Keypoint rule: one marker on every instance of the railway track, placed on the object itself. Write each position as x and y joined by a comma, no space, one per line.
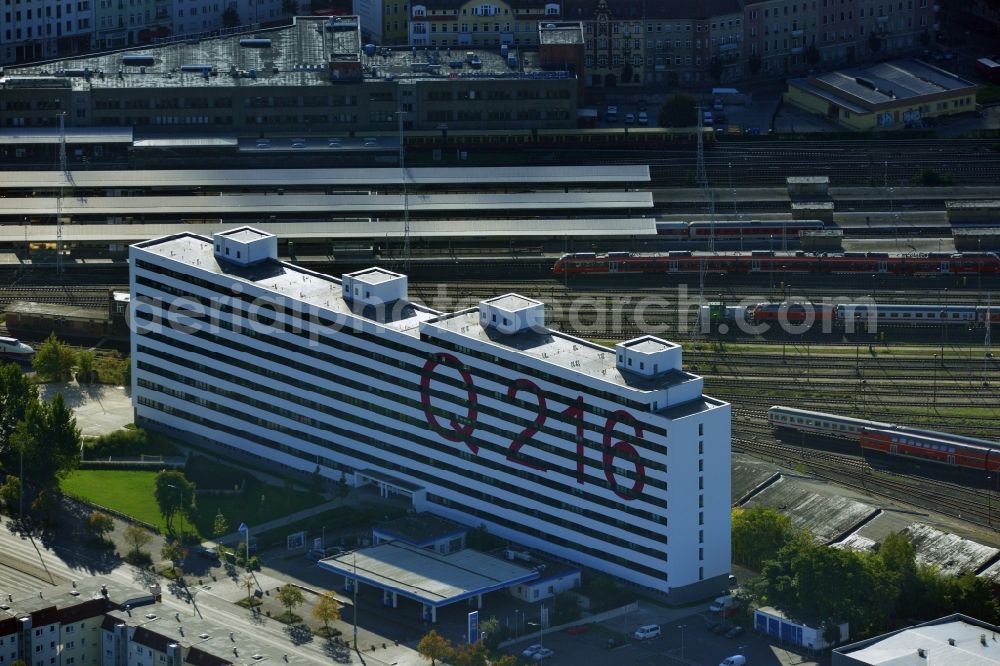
855,471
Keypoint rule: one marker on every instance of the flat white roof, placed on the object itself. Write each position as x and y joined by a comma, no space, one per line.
512,302
374,275
426,576
298,285
900,648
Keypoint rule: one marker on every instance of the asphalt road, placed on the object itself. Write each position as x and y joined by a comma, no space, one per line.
29,564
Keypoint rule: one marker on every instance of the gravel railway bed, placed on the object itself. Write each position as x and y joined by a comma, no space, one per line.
946,497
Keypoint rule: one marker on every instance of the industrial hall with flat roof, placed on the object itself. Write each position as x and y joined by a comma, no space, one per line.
609,458
313,76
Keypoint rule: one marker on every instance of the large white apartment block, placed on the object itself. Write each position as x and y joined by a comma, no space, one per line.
607,457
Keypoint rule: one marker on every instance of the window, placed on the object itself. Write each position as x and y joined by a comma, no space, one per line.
701,429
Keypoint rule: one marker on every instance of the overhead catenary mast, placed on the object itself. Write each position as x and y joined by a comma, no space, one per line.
64,170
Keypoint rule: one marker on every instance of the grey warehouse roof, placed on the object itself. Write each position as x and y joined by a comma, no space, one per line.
864,89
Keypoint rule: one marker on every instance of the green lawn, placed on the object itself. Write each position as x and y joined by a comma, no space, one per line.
131,492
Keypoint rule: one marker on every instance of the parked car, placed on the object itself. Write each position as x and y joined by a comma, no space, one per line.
530,651
735,632
719,629
717,105
706,118
542,654
725,602
629,118
612,114
735,660
643,118
647,631
207,553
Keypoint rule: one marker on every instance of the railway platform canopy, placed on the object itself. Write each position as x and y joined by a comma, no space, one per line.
431,579
261,204
298,178
16,136
344,230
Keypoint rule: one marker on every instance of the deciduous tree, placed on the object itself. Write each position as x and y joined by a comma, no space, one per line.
326,610
136,537
220,527
50,440
16,393
85,366
470,654
290,597
679,111
10,492
173,493
99,524
171,551
758,533
434,646
53,360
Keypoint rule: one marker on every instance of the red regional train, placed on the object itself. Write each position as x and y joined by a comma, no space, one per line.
775,262
892,439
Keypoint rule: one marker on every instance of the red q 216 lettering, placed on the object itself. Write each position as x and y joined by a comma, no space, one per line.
625,450
457,431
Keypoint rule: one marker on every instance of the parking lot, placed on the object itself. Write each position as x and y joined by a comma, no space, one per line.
685,639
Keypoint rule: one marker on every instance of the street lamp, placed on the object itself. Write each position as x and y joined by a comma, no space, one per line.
682,627
935,381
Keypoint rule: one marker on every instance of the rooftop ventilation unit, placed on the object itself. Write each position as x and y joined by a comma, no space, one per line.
137,60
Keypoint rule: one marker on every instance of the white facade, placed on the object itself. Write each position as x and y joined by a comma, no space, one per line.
536,434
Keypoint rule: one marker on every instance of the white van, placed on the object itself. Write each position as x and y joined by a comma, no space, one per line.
724,603
735,660
646,632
